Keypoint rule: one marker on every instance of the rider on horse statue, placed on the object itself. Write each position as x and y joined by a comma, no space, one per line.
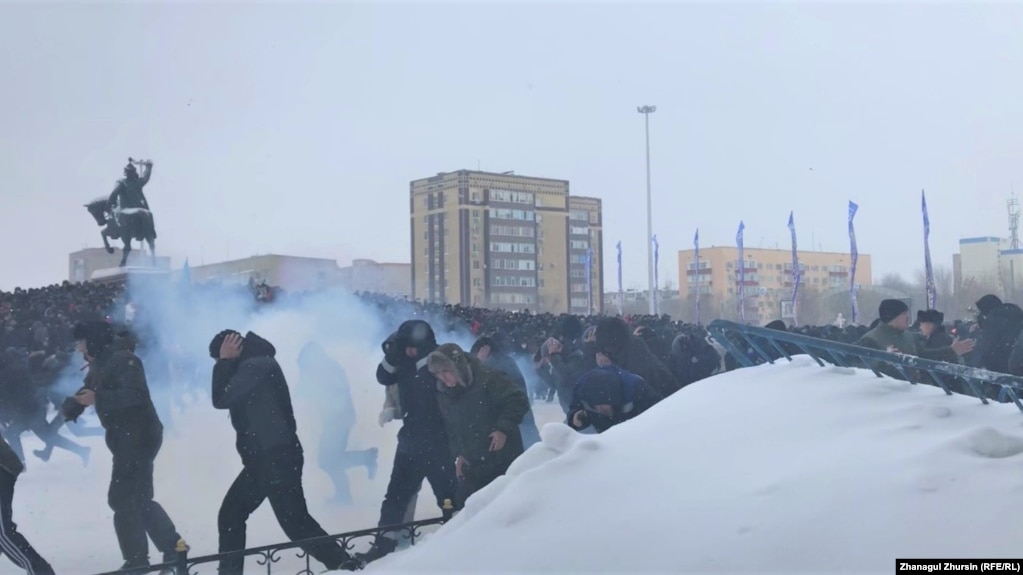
128,194
125,214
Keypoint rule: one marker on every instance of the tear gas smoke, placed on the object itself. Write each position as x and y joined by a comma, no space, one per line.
174,324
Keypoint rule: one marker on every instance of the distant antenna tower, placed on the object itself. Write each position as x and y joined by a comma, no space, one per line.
1013,222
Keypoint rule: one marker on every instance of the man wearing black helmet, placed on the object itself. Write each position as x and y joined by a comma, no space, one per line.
422,443
116,386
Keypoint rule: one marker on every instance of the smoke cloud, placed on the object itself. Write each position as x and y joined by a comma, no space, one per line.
174,324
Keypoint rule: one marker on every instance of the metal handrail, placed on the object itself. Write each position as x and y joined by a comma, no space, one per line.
913,369
269,554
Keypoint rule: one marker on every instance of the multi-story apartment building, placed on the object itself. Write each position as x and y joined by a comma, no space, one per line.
767,279
505,241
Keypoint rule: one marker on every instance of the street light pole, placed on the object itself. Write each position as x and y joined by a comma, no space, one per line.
652,293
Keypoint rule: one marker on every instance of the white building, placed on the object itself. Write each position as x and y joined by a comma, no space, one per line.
989,262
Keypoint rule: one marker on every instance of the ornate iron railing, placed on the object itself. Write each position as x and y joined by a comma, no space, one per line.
751,345
269,555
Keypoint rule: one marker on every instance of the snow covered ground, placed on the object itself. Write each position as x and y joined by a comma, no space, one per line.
789,468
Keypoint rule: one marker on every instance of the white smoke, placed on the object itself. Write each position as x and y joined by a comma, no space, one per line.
175,323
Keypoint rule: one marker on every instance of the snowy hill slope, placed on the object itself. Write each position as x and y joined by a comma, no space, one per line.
790,468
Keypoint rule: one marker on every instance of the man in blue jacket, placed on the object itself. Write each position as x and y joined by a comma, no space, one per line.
607,396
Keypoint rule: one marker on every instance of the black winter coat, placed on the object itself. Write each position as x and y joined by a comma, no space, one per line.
253,389
417,392
999,330
123,403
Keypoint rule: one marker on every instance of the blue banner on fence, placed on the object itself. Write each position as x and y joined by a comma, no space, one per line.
932,292
741,271
796,273
696,246
853,208
621,294
657,302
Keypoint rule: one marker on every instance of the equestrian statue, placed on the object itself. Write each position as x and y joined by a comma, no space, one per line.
125,213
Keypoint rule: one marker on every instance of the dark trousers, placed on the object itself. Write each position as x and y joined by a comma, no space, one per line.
135,512
13,544
413,462
277,477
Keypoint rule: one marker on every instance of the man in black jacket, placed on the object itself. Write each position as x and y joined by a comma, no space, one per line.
248,381
1000,325
423,450
12,543
116,385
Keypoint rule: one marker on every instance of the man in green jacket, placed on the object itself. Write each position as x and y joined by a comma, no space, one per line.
891,335
482,409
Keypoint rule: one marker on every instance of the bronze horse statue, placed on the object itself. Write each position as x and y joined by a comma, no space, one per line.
125,214
135,224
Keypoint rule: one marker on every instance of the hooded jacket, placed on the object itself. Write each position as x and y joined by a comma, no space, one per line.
484,401
630,353
123,403
1000,326
626,393
253,389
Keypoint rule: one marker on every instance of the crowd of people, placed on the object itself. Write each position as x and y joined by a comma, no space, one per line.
466,413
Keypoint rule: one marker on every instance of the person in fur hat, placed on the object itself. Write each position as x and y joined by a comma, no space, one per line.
892,335
933,335
482,409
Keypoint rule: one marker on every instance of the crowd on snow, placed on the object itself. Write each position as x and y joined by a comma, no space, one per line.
466,413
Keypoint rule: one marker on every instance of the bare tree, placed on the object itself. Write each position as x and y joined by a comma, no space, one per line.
897,283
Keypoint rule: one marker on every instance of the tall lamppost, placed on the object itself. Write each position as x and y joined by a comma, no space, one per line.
646,111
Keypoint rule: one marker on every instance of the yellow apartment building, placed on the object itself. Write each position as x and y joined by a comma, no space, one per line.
504,241
768,280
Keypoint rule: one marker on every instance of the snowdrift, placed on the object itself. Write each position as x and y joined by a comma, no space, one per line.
787,468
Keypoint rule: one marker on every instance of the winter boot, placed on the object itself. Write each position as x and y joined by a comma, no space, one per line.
135,567
350,564
382,546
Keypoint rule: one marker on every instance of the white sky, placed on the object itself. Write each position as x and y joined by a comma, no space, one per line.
263,119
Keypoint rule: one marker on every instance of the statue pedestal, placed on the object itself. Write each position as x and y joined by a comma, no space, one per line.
121,275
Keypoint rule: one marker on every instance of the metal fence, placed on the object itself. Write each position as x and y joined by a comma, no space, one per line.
268,556
751,345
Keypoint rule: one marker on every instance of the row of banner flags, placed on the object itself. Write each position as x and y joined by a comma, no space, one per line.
797,271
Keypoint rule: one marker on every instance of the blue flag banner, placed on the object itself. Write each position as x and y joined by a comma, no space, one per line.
932,292
741,271
589,281
621,294
853,208
657,302
696,246
796,272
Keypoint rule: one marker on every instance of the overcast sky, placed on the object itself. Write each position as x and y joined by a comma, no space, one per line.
296,129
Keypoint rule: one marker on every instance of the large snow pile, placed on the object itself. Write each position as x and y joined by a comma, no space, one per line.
788,468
